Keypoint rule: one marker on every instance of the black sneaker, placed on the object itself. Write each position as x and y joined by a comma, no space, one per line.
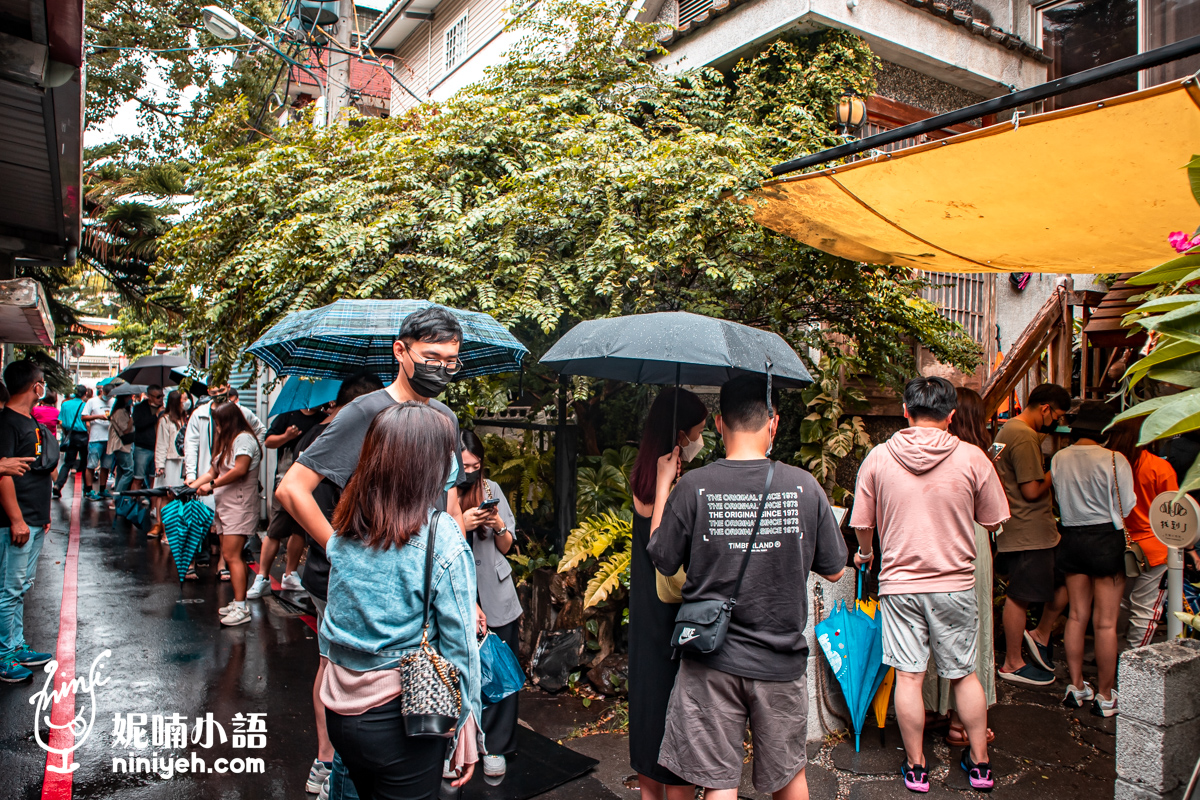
1043,654
1030,675
57,492
979,775
916,777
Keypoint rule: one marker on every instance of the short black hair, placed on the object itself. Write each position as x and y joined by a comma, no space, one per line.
744,403
20,375
433,325
930,398
80,390
154,387
356,386
1051,394
231,394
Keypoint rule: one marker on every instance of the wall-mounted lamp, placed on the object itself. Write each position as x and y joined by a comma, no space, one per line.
851,112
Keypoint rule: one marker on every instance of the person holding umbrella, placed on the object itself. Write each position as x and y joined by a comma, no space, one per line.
758,673
924,490
427,350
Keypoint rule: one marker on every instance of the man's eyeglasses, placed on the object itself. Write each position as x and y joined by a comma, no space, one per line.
452,367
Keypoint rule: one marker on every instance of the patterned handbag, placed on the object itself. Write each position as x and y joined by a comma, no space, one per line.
430,699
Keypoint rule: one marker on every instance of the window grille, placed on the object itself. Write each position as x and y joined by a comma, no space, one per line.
959,298
456,43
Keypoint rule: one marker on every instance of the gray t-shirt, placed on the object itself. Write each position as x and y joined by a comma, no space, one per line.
334,455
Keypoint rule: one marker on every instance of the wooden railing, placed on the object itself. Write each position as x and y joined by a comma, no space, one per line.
1041,354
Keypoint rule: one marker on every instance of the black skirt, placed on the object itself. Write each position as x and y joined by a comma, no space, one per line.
651,666
1095,550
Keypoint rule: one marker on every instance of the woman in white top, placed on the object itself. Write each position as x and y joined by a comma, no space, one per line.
1095,492
233,482
168,461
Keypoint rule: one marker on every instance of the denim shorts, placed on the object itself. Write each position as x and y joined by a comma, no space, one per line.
143,464
98,457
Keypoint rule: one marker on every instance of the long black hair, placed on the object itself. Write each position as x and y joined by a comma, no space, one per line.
658,439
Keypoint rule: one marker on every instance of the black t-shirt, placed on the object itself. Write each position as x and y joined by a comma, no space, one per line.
145,425
315,579
287,453
19,439
706,527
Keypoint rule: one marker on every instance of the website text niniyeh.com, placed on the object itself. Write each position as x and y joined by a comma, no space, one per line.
167,767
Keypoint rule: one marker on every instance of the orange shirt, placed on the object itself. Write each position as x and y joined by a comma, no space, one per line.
1151,476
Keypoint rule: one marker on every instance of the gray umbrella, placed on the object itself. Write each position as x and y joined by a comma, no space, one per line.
675,347
128,389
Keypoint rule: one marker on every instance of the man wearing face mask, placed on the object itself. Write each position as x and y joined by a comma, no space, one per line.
1026,544
427,351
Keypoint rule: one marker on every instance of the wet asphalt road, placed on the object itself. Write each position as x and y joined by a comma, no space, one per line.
169,655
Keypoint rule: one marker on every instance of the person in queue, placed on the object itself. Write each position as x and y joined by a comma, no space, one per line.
315,581
1095,491
95,413
168,459
24,515
652,665
1026,545
490,533
762,665
145,434
1151,477
76,437
120,442
384,522
924,491
232,480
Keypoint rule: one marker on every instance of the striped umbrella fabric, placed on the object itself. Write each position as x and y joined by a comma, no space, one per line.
186,523
336,340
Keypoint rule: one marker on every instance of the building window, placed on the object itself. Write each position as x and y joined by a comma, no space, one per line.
961,298
690,9
1080,34
456,43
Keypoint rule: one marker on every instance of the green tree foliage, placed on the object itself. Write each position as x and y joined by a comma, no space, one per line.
576,180
1171,312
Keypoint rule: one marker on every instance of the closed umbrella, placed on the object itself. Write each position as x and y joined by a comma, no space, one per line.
298,393
186,521
339,339
852,641
155,369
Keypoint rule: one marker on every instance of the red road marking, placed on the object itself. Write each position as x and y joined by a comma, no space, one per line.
307,619
58,785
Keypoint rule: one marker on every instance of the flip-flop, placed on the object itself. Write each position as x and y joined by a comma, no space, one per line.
957,737
223,574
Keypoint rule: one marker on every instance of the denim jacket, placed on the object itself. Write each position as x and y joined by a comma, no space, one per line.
376,600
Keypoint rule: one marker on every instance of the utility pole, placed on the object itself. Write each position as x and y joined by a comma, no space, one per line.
337,90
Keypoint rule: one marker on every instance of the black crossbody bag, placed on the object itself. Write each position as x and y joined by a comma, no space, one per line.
701,627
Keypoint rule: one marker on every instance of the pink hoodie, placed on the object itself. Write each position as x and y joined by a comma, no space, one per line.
924,489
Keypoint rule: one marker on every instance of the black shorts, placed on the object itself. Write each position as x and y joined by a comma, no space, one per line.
282,524
1032,577
1095,550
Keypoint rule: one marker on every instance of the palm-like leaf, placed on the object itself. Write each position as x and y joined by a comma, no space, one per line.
593,537
613,572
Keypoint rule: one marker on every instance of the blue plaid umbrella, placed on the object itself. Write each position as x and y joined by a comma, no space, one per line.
339,339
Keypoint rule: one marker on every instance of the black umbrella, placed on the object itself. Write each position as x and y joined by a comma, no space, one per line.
155,369
675,347
128,389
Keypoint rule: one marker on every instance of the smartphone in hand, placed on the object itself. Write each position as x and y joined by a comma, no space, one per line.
488,505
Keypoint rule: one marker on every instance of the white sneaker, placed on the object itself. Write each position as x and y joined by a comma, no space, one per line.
261,586
239,615
291,582
1078,698
324,793
1105,708
225,609
494,766
317,775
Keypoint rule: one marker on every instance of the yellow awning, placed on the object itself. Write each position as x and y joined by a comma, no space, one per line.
1090,189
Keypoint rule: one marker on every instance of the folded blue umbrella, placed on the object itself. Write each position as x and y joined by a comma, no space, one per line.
298,393
186,523
852,641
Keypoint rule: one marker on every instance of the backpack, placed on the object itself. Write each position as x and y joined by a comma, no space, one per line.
47,452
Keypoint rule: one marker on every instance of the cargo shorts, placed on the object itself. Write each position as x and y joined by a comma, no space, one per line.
706,724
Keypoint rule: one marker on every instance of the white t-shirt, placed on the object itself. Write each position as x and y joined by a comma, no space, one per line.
1083,486
246,445
97,428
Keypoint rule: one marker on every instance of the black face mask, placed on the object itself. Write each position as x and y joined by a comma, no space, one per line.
469,479
428,382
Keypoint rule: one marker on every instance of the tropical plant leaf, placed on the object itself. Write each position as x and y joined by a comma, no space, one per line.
1193,170
1167,272
1160,305
593,537
1154,404
1170,420
612,573
1191,479
1166,351
1179,377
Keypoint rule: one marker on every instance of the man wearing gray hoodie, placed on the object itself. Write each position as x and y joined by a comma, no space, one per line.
924,490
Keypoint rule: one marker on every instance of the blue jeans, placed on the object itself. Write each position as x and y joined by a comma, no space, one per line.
143,465
18,567
122,470
340,785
